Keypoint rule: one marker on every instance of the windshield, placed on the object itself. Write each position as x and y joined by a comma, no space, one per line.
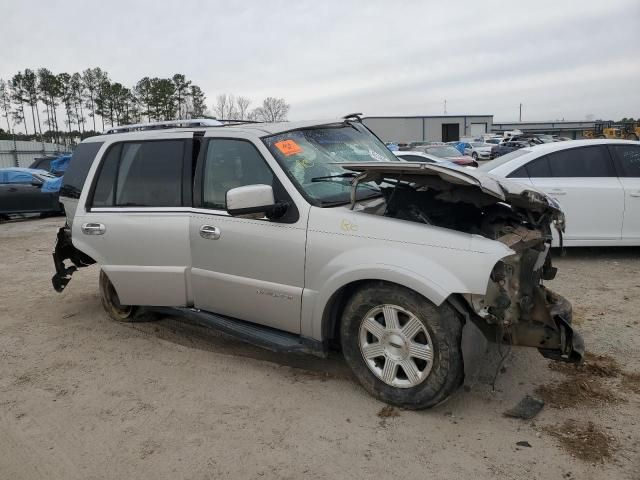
311,158
491,164
444,151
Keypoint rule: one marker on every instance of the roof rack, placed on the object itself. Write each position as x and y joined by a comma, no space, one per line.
190,123
236,122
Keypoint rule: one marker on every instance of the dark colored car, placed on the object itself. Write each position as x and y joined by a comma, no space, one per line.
507,147
26,190
52,164
449,152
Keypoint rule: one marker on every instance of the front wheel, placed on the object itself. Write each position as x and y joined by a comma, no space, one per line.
474,155
403,349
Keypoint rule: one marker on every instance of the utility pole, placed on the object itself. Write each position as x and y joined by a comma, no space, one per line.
520,113
445,107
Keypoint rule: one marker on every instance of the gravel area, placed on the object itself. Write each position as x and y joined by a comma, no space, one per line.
83,397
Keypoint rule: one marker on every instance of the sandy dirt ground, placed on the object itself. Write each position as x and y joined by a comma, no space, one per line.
83,397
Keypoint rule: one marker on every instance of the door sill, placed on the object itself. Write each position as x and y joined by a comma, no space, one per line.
261,336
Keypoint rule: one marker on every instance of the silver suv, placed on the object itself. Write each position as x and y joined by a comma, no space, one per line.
304,237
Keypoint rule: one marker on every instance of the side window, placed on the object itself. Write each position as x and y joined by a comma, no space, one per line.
581,162
519,173
141,174
539,168
79,165
230,164
628,159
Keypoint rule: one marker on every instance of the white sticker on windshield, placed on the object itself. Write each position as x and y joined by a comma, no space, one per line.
376,156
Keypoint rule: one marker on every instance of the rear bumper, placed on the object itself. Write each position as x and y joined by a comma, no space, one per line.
64,250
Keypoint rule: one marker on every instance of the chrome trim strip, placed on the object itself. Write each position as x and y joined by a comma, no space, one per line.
158,210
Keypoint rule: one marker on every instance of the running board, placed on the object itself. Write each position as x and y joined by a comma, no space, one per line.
265,337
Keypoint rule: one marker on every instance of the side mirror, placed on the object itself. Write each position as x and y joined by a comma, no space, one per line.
36,183
253,201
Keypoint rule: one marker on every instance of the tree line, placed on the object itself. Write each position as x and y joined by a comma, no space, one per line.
65,108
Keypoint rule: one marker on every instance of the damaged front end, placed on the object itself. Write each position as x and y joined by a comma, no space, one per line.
517,308
64,250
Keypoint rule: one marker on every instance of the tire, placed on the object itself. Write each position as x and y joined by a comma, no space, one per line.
439,331
632,136
474,155
601,136
111,302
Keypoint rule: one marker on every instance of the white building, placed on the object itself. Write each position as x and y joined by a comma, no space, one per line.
440,128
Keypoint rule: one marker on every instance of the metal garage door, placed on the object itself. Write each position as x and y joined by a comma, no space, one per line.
477,129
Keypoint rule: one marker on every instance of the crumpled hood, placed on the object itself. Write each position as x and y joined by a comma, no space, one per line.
503,189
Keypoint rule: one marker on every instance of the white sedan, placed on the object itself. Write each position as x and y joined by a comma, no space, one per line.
596,182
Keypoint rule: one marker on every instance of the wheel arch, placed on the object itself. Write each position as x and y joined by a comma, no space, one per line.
334,306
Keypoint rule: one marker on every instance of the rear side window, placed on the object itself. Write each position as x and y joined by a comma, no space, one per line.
230,164
581,162
519,173
141,174
76,173
628,159
539,168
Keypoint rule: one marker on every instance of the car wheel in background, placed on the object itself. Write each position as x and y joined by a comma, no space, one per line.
474,155
403,349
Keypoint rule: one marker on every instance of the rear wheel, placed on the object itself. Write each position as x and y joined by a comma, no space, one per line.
632,136
113,307
474,155
403,349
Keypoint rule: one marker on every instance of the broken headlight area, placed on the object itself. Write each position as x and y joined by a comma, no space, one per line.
519,310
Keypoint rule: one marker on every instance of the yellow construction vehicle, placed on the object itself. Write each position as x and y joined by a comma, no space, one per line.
624,131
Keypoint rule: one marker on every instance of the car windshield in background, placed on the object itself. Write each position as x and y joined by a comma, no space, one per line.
490,165
311,157
444,151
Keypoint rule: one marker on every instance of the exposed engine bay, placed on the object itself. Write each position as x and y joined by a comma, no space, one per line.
517,308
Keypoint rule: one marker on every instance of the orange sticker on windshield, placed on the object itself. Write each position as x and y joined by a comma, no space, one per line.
288,147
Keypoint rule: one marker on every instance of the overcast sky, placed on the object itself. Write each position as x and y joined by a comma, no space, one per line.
561,59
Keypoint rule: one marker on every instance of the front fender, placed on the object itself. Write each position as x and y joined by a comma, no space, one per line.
435,275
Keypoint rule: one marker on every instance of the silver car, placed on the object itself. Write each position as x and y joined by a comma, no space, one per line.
307,237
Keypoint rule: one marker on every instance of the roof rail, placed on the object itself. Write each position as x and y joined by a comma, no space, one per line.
236,122
187,123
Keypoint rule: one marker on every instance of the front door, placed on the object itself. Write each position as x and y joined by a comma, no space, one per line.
628,165
584,182
252,268
136,221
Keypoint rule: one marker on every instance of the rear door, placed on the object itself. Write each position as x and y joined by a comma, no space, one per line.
627,159
136,220
585,183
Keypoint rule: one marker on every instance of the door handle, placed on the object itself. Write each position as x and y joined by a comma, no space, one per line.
634,194
93,228
210,232
557,191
